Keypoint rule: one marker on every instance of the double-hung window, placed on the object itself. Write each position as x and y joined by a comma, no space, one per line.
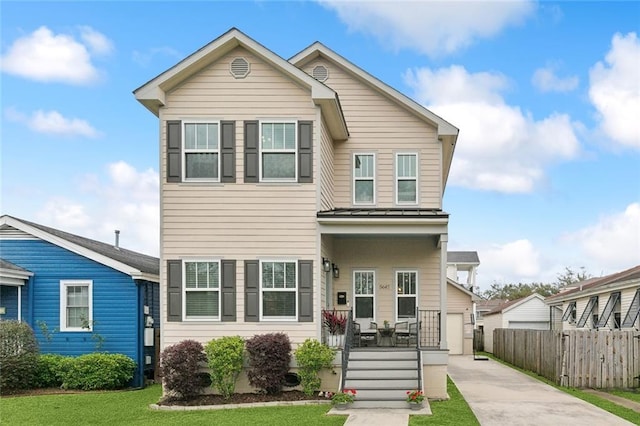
279,290
407,292
201,290
364,294
278,159
201,151
406,178
364,179
76,305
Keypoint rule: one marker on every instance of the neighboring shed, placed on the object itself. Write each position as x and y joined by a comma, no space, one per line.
460,308
528,313
79,295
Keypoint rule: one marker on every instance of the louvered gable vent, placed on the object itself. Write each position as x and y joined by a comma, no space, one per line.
320,73
239,67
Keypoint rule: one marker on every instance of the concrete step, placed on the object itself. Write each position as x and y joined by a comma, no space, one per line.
387,394
383,364
409,373
383,355
378,404
360,384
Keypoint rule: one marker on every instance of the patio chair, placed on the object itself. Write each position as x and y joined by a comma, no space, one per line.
357,335
401,332
370,336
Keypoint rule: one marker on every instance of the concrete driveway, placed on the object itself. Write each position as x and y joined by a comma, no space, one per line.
499,395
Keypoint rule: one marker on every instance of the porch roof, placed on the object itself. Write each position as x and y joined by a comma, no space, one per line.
393,213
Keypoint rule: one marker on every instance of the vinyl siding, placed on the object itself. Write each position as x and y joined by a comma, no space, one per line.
327,184
533,310
241,221
378,124
459,302
115,298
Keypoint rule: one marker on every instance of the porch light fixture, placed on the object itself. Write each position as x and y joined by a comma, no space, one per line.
326,264
336,271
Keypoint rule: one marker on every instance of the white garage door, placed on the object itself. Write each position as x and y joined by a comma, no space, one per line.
455,329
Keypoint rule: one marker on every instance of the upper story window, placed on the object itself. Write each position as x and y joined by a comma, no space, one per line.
364,178
201,151
201,290
279,290
278,151
76,305
406,178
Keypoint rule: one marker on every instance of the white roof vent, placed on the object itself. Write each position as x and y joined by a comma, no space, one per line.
320,73
239,67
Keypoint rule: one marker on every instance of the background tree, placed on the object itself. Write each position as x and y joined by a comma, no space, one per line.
520,290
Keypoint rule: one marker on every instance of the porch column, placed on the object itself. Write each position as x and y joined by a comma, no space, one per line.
443,291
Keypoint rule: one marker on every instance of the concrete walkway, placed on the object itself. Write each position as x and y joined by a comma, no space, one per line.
500,395
380,416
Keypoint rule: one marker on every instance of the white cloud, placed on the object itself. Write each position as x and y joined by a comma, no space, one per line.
433,28
500,147
611,244
47,57
546,80
512,262
52,122
615,90
144,58
127,201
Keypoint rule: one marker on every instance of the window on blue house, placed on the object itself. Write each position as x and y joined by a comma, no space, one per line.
76,305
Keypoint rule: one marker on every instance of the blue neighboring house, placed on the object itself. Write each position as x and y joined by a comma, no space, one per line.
80,295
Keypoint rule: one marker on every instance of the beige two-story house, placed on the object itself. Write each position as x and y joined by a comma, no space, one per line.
291,187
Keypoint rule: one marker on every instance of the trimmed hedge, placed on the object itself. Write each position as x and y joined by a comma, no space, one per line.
225,357
180,368
18,356
51,369
269,358
312,356
99,371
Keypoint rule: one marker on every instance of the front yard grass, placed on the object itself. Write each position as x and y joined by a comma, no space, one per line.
132,408
454,412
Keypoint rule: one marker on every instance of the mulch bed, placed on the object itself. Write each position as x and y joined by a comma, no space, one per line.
242,398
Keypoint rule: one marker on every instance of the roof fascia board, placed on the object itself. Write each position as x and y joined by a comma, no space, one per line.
11,273
460,287
318,49
68,245
604,288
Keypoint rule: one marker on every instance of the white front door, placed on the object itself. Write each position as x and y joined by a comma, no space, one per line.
364,296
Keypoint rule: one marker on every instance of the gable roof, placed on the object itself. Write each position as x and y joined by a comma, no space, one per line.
463,257
512,304
447,132
152,94
474,297
136,264
11,274
597,283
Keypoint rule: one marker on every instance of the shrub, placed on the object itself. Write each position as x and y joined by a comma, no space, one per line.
180,368
51,369
18,356
269,358
312,356
98,371
225,359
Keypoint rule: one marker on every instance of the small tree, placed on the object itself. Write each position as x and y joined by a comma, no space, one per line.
180,368
269,358
225,359
18,356
312,356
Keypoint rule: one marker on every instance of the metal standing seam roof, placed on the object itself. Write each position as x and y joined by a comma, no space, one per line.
383,213
142,262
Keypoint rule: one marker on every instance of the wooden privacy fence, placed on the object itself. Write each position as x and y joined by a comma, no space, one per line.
574,358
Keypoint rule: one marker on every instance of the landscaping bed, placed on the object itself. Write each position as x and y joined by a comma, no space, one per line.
242,398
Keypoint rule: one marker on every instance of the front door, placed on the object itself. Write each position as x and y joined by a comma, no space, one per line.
364,296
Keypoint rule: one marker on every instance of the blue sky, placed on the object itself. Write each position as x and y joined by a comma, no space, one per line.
546,173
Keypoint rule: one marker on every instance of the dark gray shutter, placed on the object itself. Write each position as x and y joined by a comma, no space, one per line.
174,290
251,291
305,290
228,290
305,151
228,151
251,152
174,151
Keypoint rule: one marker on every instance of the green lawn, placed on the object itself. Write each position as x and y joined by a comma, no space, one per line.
631,395
132,408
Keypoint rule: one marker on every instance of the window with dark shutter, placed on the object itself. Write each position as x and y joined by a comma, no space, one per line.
228,151
174,290
305,291
305,151
251,291
228,290
251,152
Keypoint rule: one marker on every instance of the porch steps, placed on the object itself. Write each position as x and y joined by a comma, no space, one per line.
382,378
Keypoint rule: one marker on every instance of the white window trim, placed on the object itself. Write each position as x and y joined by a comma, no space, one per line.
354,179
288,290
416,296
63,304
397,179
355,296
185,318
294,179
186,151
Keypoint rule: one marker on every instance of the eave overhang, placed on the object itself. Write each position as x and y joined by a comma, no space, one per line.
383,221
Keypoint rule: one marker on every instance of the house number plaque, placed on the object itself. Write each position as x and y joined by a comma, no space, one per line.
385,286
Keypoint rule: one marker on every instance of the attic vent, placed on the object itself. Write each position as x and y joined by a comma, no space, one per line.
320,73
239,68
